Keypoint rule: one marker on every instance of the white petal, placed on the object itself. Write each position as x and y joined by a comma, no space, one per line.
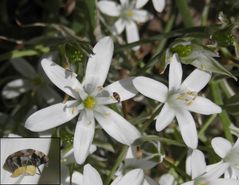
141,16
149,181
204,106
63,79
224,182
119,26
98,64
198,163
15,88
84,134
124,88
187,128
196,81
188,183
215,172
51,116
116,126
188,162
141,3
151,88
164,118
132,33
91,176
159,5
221,146
167,179
109,8
133,177
175,73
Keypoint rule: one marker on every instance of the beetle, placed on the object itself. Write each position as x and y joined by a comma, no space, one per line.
25,162
116,96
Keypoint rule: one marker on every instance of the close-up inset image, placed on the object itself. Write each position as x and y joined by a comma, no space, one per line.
26,160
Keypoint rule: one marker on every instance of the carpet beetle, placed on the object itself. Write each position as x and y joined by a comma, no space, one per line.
116,96
25,162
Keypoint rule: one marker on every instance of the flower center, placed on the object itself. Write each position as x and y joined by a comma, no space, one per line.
129,13
89,102
177,99
187,97
202,183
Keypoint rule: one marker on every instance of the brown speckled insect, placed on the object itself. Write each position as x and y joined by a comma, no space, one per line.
25,162
116,96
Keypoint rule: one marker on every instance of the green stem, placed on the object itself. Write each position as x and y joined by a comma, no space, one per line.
147,122
185,12
168,28
181,172
223,116
119,160
201,133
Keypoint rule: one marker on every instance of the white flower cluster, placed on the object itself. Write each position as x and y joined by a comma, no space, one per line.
89,100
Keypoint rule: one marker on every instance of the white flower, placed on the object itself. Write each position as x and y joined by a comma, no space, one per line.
179,99
15,143
158,4
90,99
128,14
91,177
229,155
199,175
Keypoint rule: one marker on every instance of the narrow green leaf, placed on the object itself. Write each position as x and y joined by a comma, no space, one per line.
232,105
185,12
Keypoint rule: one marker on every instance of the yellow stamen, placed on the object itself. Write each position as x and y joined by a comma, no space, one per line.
73,110
89,102
187,97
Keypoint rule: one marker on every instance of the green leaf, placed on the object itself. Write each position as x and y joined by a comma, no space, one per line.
232,105
104,145
37,50
23,67
91,5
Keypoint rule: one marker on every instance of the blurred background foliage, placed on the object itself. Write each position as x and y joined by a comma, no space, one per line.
66,30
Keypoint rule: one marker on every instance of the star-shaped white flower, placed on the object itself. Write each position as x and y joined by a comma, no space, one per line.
179,99
90,99
128,14
200,176
159,5
230,157
90,176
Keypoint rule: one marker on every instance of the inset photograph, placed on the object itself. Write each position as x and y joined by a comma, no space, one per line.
30,160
